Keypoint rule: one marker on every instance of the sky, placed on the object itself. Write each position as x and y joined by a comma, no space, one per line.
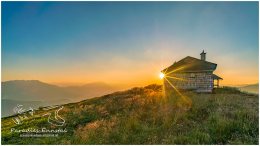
126,42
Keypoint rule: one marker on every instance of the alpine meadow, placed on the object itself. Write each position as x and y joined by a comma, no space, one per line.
130,73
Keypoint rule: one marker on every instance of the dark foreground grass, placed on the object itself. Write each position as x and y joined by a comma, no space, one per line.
146,116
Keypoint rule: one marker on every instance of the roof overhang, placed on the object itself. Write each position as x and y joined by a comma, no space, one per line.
215,77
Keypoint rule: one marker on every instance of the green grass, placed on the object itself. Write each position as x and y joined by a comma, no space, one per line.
146,116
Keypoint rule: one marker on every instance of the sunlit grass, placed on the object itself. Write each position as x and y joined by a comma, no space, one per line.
145,116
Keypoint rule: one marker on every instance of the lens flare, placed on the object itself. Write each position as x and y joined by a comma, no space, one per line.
161,75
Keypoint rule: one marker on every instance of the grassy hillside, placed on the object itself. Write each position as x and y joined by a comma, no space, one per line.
145,116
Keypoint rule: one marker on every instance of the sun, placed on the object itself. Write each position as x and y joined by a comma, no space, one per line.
161,75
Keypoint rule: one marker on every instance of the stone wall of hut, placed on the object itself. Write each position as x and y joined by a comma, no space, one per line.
200,82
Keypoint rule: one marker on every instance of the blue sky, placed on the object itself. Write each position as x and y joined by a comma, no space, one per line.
126,42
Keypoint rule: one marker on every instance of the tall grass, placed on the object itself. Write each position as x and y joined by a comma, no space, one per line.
146,116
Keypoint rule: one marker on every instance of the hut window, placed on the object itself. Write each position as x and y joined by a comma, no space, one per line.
192,75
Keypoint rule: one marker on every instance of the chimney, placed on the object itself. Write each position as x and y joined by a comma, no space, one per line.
203,56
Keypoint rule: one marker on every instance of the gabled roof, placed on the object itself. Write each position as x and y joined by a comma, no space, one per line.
215,77
190,64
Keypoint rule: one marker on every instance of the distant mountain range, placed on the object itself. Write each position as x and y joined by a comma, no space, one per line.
254,88
34,93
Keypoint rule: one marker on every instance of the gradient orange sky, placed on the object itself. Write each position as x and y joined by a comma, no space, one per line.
126,43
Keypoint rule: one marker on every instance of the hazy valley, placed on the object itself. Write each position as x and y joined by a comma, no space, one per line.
34,93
